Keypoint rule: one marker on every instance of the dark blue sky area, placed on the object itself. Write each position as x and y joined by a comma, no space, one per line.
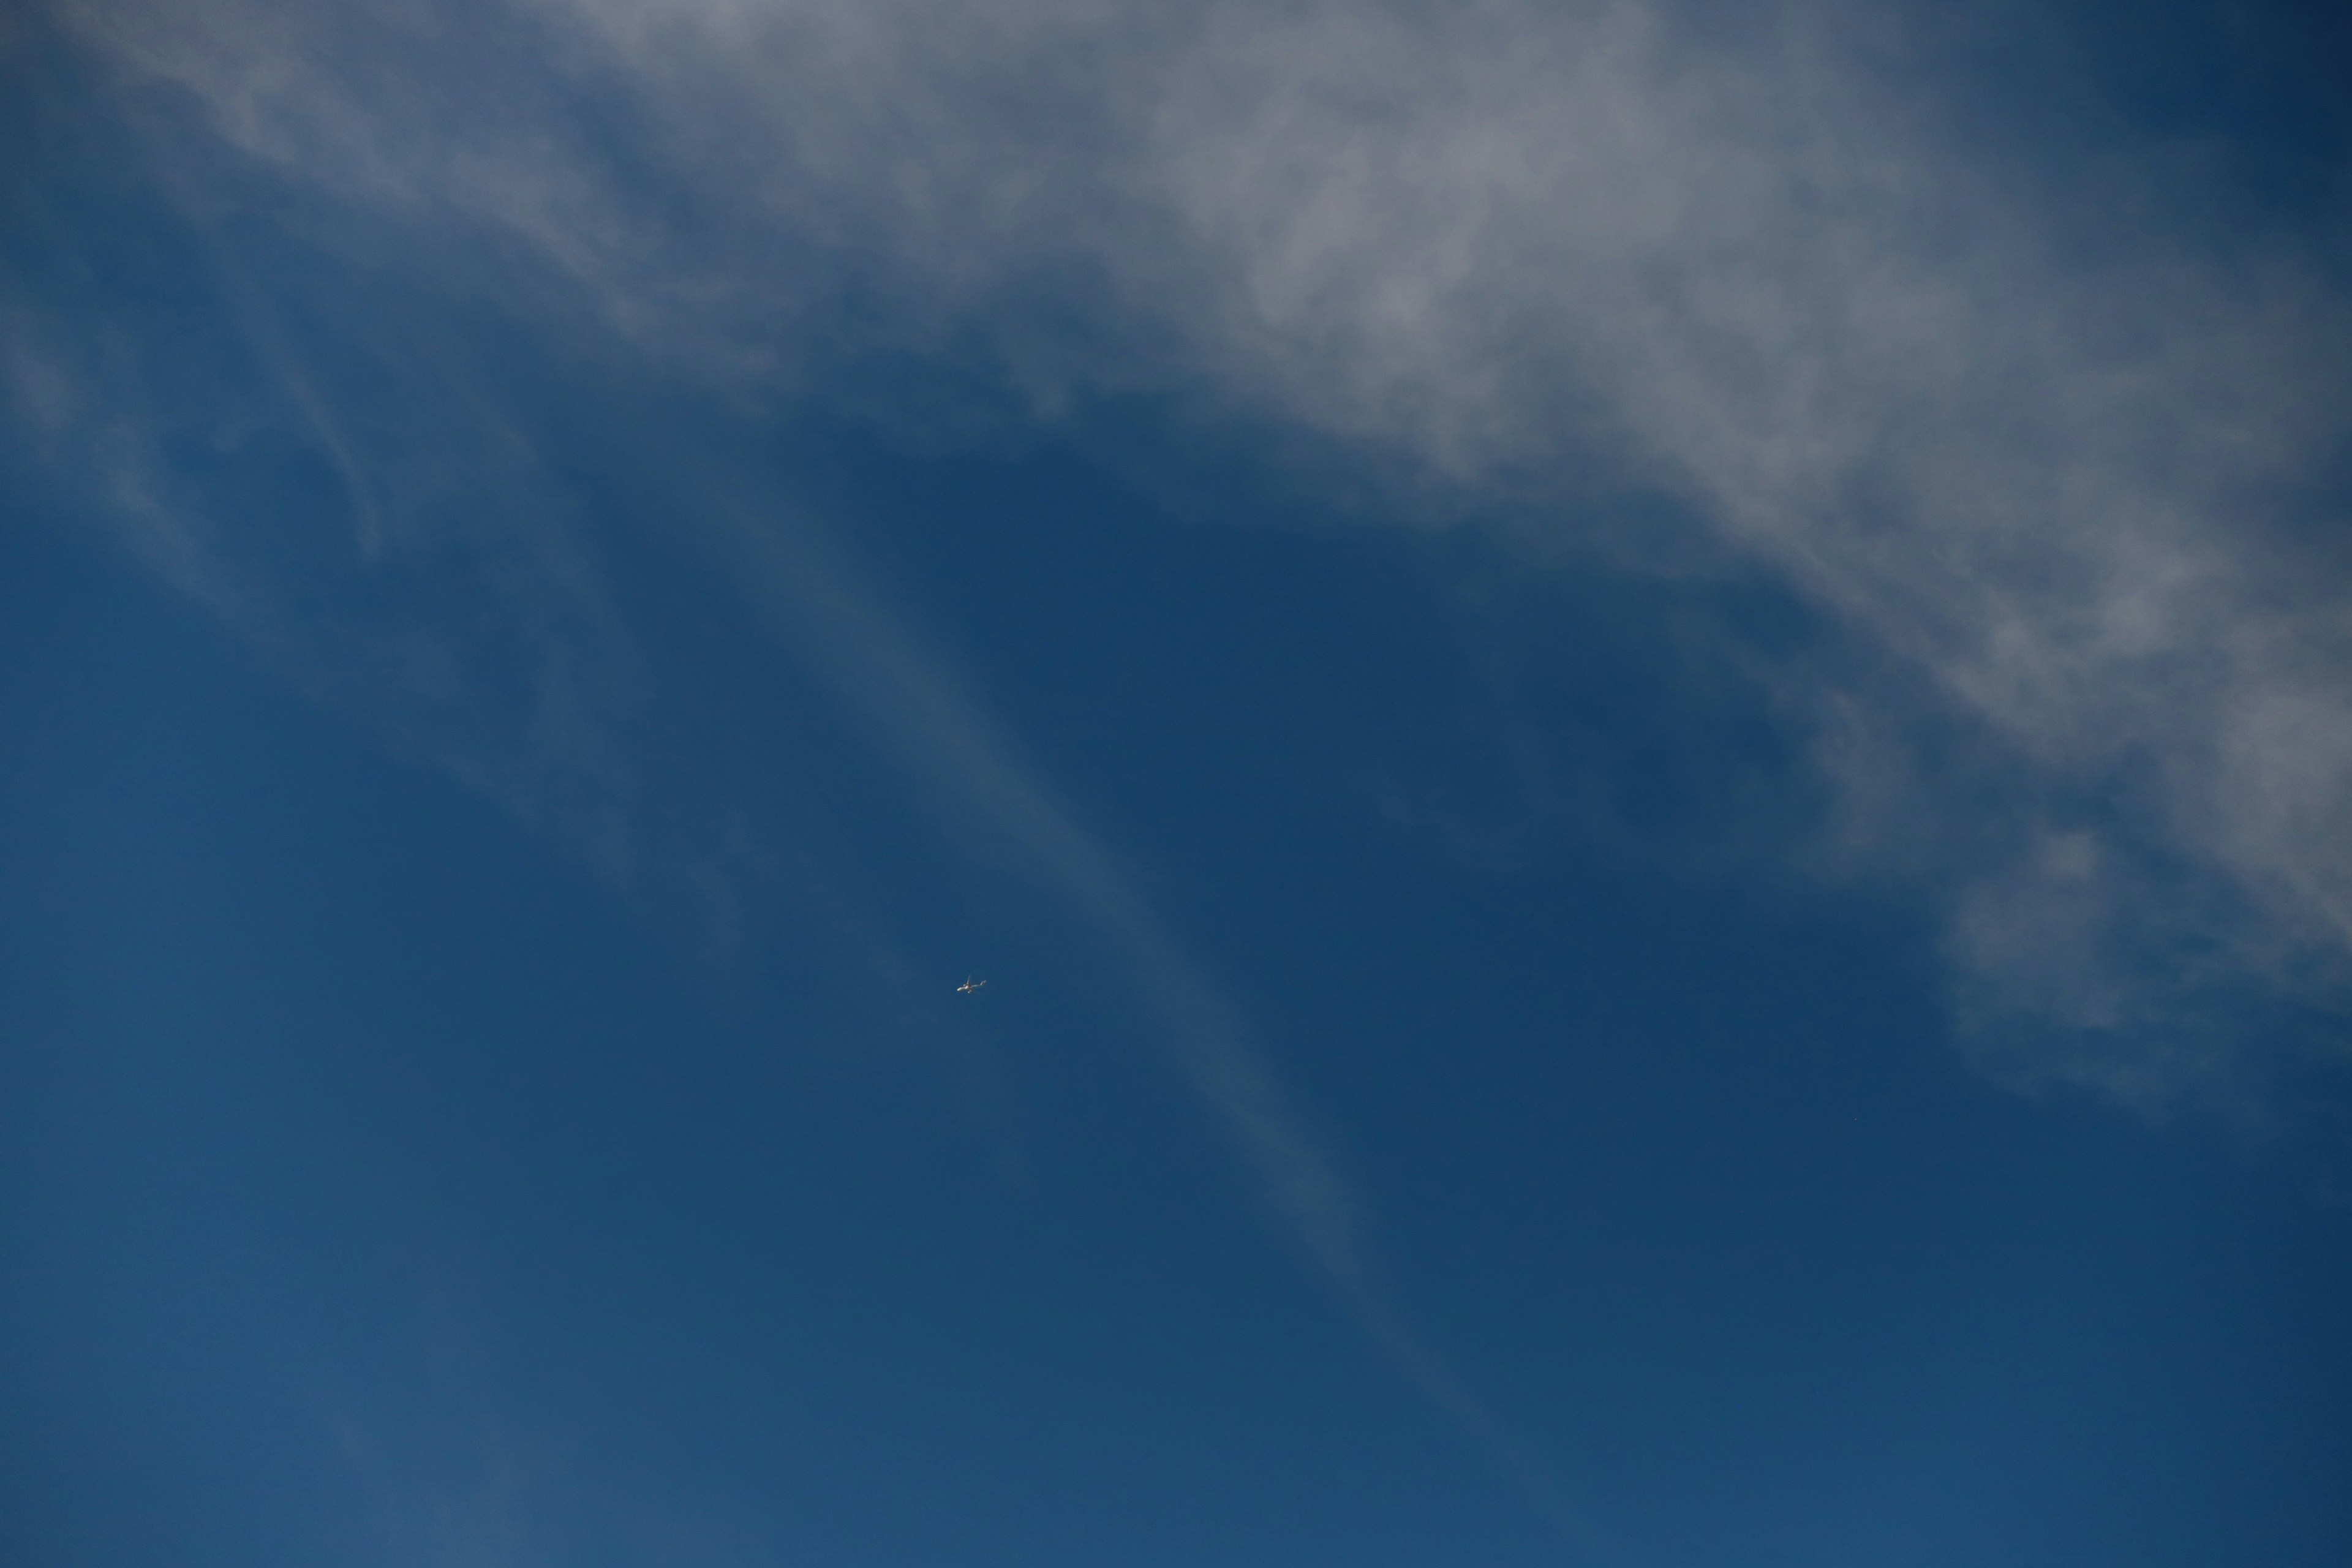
493,813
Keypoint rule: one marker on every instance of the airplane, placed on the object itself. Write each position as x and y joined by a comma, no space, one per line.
969,984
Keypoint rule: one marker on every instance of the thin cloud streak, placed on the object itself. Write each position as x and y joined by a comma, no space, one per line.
969,767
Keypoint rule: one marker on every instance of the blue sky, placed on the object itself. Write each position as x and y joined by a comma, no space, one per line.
1642,714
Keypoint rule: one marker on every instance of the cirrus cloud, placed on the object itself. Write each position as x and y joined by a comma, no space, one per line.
2039,432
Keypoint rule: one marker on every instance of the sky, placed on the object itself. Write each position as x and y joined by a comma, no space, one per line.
1642,714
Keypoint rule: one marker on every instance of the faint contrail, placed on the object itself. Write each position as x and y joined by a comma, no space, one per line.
944,735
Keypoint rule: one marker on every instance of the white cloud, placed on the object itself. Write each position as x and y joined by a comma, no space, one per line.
2033,438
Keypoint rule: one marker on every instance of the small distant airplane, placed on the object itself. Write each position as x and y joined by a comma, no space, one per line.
969,985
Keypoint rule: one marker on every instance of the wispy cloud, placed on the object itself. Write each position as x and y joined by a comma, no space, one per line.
993,803
2037,432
